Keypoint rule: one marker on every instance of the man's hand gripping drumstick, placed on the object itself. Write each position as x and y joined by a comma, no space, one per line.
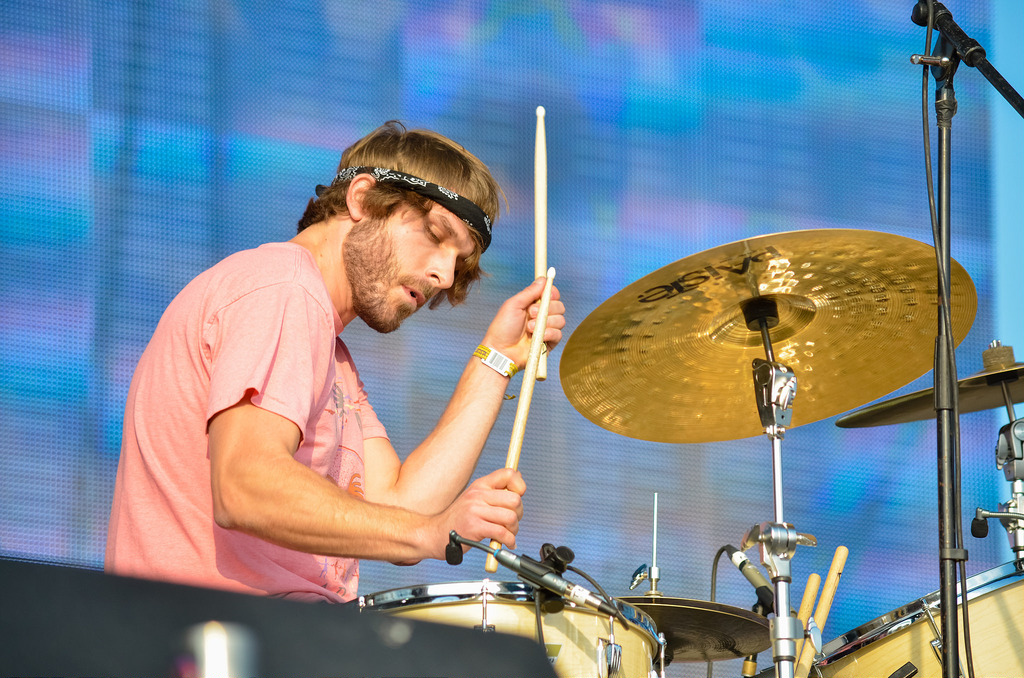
526,392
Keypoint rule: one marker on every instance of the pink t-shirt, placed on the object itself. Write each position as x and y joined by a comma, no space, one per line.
261,321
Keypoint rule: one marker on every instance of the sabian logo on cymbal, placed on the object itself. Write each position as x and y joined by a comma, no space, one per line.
694,279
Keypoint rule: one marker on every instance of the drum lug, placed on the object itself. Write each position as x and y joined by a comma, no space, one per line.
609,653
483,625
609,658
936,641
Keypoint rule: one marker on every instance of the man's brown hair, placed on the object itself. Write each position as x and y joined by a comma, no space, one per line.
421,153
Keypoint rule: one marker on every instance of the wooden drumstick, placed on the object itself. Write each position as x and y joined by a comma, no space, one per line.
806,603
540,216
828,592
526,394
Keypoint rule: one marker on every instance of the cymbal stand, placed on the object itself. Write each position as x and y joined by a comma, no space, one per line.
774,389
1009,458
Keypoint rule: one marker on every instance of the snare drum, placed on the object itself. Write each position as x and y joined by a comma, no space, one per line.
580,642
913,633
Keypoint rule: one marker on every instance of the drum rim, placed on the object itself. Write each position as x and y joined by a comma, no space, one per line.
901,617
462,591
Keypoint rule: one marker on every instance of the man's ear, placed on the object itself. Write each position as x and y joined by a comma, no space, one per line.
356,194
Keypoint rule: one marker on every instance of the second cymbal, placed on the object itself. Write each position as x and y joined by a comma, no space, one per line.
668,358
981,391
698,630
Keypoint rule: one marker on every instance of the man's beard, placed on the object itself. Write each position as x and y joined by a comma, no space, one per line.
372,270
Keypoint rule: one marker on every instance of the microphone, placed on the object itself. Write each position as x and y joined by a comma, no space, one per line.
540,575
453,551
765,595
979,528
537,574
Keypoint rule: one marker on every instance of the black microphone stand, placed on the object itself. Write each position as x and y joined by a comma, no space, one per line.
950,555
953,46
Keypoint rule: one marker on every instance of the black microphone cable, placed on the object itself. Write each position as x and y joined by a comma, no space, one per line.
608,599
714,579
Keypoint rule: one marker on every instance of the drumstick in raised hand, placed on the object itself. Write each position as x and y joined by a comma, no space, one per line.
828,592
540,216
526,393
806,603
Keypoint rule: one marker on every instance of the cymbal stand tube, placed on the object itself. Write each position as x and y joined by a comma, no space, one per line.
1008,399
774,388
655,572
766,337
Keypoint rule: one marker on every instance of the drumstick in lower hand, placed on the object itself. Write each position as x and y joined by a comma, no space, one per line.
828,592
526,393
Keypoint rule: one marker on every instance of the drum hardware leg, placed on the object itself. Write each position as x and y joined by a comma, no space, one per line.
484,626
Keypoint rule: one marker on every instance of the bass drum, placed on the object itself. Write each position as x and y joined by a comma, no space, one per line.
581,643
913,634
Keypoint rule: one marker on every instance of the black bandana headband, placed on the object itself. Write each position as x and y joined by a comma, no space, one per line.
461,207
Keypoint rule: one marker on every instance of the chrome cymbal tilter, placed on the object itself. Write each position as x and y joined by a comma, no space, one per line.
775,389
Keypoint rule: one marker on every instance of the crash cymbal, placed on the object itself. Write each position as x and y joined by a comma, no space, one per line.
698,630
668,357
980,391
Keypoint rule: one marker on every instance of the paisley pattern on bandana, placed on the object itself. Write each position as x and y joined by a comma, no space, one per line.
460,206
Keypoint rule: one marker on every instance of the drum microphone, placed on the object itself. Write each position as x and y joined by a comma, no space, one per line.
453,551
540,575
979,526
765,595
